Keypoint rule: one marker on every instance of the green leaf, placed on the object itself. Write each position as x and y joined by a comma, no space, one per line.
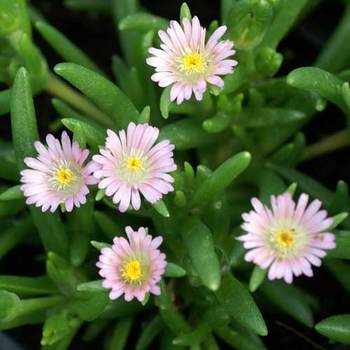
248,20
174,271
27,286
267,116
100,245
64,47
12,236
342,250
149,333
95,6
337,220
57,327
161,208
184,134
320,81
143,21
336,328
185,12
92,286
120,334
238,340
5,96
217,123
340,270
256,278
240,305
12,193
306,183
94,135
107,96
61,273
24,133
109,226
200,246
194,338
290,300
287,14
334,55
221,178
89,306
169,313
165,103
9,305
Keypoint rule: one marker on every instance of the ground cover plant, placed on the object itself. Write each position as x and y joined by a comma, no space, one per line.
187,192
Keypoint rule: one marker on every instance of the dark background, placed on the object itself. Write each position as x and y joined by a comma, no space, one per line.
96,36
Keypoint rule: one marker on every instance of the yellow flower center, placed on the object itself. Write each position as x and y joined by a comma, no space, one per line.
132,271
64,176
193,62
134,164
285,238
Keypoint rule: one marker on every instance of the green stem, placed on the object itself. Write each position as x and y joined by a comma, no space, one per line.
328,144
62,90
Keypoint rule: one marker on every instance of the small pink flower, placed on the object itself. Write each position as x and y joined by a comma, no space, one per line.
289,238
132,267
187,63
131,164
58,175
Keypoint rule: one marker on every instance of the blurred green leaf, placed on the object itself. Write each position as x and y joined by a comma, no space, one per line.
340,270
171,317
5,96
174,271
101,91
200,246
290,300
94,135
91,286
9,305
143,21
265,117
336,328
24,133
95,6
221,178
161,208
342,250
184,134
286,16
256,278
120,334
64,47
11,193
149,333
320,81
185,12
247,22
27,286
240,305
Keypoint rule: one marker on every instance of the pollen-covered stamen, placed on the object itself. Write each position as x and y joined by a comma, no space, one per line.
134,164
132,272
193,62
285,238
64,176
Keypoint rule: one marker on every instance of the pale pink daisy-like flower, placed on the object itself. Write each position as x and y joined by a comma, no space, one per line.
187,63
132,266
289,238
57,175
131,164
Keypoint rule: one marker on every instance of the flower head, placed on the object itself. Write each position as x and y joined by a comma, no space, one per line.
187,63
58,174
132,266
289,238
131,164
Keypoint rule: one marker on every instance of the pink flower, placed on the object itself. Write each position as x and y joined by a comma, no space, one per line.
58,175
289,238
131,164
132,267
187,63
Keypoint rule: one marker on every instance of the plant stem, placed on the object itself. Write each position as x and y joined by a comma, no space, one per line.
58,88
331,143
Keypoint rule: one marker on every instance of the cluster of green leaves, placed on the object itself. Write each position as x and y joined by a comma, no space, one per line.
252,126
